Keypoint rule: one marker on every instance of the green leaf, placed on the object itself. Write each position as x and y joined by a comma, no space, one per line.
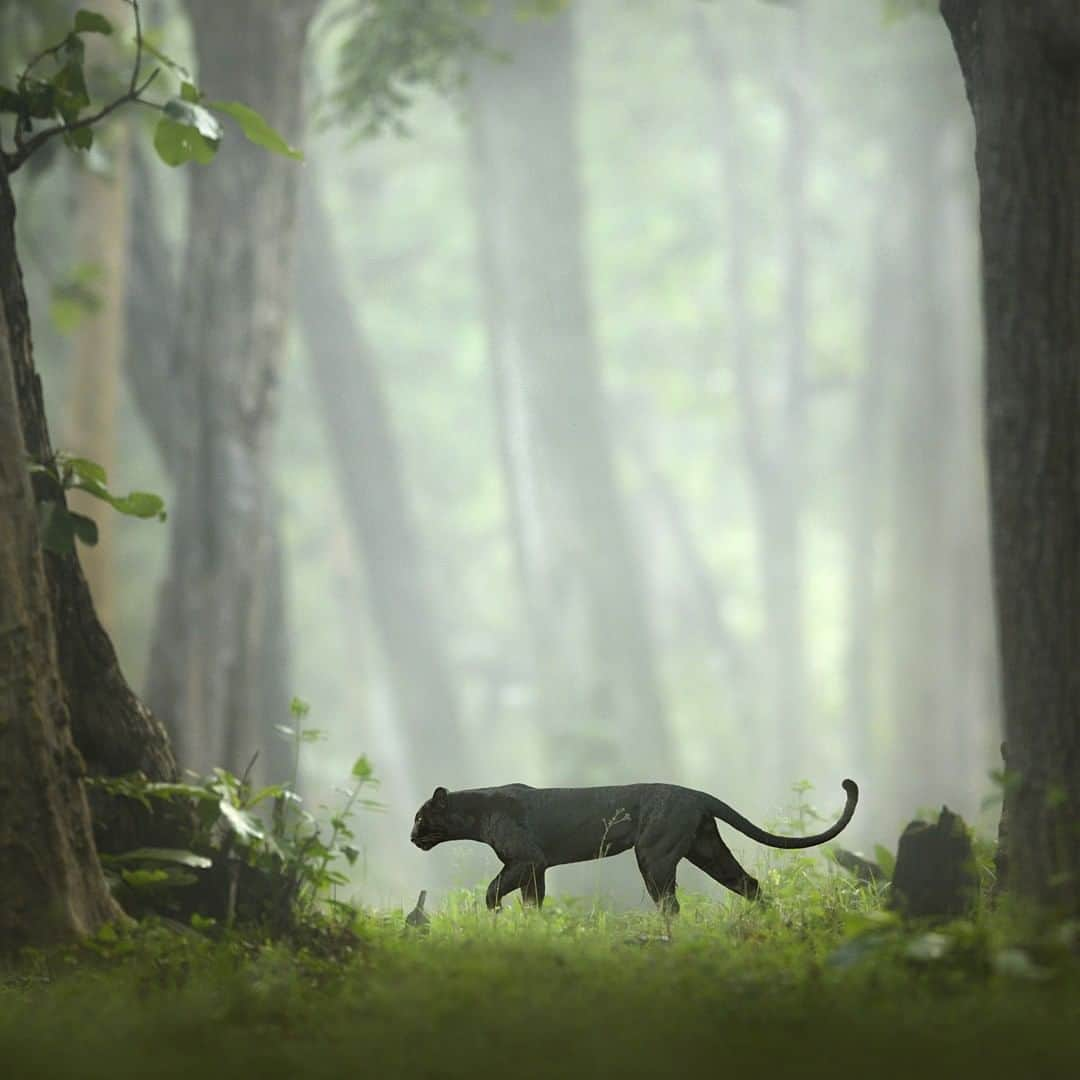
73,95
256,129
313,735
166,855
10,102
189,92
84,528
55,528
243,824
90,22
885,859
362,768
80,139
177,143
83,468
76,296
195,116
145,879
140,504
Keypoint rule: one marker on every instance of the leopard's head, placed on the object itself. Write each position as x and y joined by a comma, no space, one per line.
431,825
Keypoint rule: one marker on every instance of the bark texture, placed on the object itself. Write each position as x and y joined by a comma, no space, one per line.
581,579
115,733
1021,65
216,604
374,494
51,885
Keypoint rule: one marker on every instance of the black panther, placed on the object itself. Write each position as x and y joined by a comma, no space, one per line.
531,829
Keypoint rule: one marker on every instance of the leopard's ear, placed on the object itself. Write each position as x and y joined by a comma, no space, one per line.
439,798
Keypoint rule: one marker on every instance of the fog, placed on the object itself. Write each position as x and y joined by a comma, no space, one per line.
628,426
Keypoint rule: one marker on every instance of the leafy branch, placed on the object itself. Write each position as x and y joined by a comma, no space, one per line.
187,131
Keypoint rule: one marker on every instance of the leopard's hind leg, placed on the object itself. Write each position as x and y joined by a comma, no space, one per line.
708,852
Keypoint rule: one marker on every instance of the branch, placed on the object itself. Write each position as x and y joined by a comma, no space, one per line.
134,92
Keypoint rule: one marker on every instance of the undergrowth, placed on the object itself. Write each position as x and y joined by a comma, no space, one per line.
819,979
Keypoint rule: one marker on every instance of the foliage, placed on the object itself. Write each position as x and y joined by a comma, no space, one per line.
256,869
575,990
58,524
52,91
388,51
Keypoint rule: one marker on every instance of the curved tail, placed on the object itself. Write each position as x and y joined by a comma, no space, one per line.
733,818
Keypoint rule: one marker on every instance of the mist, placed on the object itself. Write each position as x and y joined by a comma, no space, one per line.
619,419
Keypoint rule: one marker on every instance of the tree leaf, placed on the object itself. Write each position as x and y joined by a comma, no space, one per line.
55,528
167,855
84,528
190,114
885,859
177,143
362,768
256,129
243,824
90,22
84,468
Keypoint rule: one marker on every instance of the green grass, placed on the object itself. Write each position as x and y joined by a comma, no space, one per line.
817,982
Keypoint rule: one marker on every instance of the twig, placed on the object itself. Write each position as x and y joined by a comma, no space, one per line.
13,161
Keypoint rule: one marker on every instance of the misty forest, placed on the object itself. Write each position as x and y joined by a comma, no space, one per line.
446,443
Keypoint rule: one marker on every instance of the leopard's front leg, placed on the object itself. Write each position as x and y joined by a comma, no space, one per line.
526,876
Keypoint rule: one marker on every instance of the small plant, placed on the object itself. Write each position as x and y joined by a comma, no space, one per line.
274,870
58,524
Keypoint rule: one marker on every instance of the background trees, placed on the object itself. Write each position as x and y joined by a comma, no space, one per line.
643,241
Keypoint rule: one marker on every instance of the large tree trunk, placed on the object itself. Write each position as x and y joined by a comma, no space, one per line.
51,885
115,733
1021,65
209,645
374,495
580,574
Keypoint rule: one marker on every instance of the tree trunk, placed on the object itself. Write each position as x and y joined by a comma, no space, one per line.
773,442
1021,65
580,576
115,733
374,494
208,648
51,885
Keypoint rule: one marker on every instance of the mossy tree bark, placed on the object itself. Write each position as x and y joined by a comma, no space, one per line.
114,732
51,885
1021,66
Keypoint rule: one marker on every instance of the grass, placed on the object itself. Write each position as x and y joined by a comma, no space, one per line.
819,981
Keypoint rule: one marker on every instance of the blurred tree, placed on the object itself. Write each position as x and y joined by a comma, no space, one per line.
774,440
211,678
1021,66
578,569
100,344
373,491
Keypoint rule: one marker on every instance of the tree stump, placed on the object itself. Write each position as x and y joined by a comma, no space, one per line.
935,869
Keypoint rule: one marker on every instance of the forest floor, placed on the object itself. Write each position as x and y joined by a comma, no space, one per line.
819,981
